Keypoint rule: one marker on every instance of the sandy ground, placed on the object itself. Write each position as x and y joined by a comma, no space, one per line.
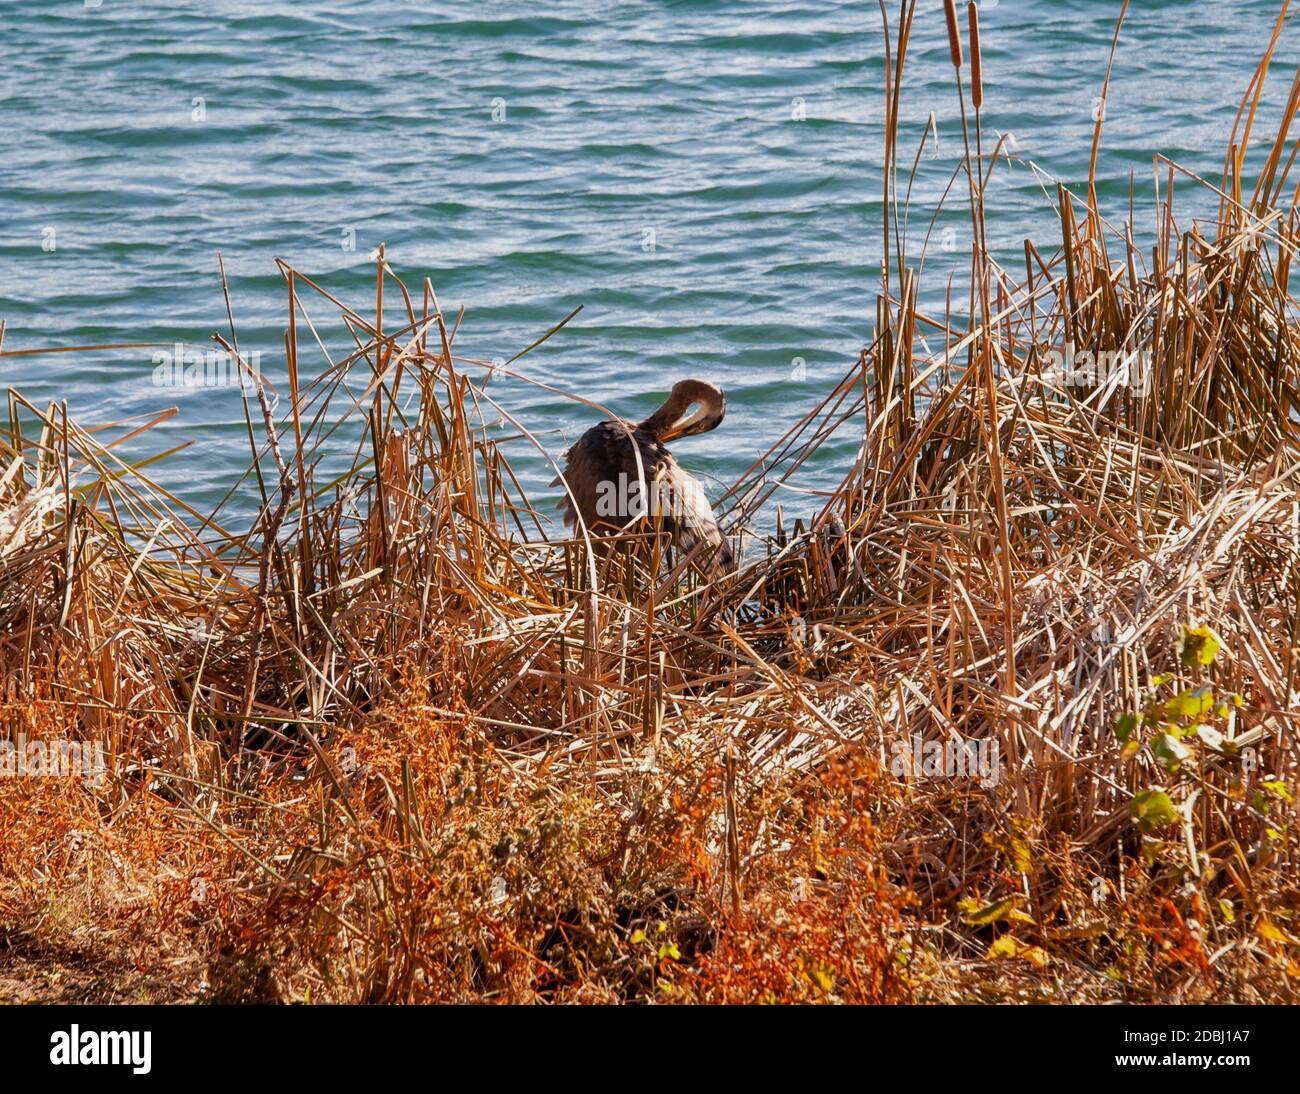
38,972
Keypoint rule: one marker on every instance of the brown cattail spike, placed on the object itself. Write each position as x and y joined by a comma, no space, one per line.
976,79
954,37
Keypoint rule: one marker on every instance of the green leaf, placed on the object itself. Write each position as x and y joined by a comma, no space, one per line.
1191,703
1152,808
1010,946
1198,646
1278,787
978,915
1125,726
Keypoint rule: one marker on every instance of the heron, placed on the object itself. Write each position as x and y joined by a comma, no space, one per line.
620,471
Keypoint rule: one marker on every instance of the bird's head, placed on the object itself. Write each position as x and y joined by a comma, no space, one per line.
672,420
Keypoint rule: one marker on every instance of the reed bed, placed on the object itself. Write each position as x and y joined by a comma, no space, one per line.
392,743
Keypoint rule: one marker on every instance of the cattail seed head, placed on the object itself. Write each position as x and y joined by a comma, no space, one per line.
954,36
976,77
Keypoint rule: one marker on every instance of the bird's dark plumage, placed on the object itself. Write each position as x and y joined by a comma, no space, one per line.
604,476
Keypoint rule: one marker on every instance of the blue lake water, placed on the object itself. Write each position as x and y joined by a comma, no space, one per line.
704,178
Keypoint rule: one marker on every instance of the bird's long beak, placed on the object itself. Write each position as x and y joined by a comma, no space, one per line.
696,423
